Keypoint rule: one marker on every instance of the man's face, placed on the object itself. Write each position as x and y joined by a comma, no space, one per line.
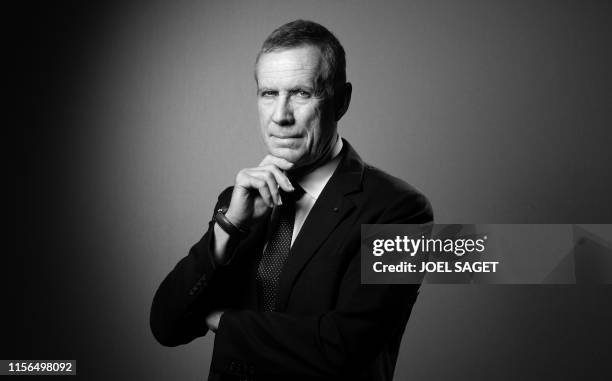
296,118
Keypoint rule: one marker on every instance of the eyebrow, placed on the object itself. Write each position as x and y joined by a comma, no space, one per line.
307,88
292,89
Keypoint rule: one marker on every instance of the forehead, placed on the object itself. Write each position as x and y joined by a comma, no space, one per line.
289,66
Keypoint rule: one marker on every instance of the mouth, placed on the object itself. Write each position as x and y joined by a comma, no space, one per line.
285,137
285,141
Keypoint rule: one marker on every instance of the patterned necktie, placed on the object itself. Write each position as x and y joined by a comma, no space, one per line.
277,249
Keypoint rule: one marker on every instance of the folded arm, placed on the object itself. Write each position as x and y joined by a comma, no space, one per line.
338,343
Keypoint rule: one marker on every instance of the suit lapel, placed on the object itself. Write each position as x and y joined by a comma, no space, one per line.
330,209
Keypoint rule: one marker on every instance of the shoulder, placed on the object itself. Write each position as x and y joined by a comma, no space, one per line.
394,194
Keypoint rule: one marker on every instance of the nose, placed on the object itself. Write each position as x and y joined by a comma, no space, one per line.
283,112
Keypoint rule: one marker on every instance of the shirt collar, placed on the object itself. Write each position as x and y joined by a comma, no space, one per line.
314,182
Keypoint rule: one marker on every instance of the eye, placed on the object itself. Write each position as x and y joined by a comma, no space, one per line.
268,93
302,93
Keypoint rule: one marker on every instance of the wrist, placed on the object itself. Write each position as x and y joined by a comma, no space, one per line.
228,224
224,246
235,220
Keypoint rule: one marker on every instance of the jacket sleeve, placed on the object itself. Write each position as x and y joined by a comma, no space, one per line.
333,345
189,292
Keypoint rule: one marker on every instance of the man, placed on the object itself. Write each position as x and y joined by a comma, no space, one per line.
277,274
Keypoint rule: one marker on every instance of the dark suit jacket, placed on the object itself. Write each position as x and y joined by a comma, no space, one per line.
327,324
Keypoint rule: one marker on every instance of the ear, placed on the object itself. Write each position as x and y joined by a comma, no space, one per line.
343,100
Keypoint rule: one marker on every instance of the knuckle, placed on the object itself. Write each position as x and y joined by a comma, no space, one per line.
243,173
269,176
259,183
240,178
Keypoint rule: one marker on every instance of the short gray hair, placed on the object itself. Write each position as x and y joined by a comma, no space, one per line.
302,32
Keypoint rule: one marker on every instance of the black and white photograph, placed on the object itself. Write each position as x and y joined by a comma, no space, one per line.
310,190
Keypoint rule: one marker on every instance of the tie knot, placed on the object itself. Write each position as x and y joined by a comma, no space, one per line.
290,197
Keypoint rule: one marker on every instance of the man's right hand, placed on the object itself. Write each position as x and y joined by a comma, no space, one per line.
256,190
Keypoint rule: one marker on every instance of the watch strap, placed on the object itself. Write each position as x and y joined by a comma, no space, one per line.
228,226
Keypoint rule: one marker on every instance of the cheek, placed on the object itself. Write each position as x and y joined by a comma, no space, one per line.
311,118
316,132
264,119
263,111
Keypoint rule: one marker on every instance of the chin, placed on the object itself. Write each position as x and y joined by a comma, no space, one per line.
288,154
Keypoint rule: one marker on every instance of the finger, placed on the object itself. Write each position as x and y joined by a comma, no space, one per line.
254,182
268,176
256,178
281,178
278,161
265,194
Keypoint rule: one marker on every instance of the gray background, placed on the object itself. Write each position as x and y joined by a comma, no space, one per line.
138,116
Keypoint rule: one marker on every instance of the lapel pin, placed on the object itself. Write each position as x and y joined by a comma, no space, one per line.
336,209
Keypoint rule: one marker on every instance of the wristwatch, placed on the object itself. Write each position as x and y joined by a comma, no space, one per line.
228,226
